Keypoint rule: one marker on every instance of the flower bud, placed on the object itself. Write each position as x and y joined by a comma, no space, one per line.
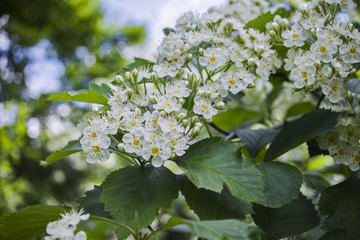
194,132
284,23
135,74
275,26
251,61
129,77
181,101
351,27
189,57
201,52
318,65
121,147
119,79
207,94
129,92
185,123
163,114
180,116
272,34
194,120
172,155
199,125
313,33
220,105
154,77
137,111
153,99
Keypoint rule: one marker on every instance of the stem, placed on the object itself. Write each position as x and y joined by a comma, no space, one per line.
208,129
320,100
114,223
113,138
124,155
152,233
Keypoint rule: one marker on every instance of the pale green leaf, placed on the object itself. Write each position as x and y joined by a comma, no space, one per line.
89,96
71,148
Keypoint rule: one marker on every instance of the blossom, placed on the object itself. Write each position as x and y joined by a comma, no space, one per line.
213,58
350,52
295,36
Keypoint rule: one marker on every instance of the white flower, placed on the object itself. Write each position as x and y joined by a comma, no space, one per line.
341,67
167,103
95,149
165,69
237,80
290,60
295,36
327,140
214,88
303,76
334,89
314,20
323,50
170,124
213,58
74,217
204,106
350,52
178,89
132,143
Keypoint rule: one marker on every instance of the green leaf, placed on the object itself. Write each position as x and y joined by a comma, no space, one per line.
226,120
315,181
104,89
89,96
71,148
138,62
232,96
91,203
353,85
299,108
310,125
229,229
167,31
289,220
282,183
314,149
223,206
141,190
28,222
213,162
340,205
260,22
255,140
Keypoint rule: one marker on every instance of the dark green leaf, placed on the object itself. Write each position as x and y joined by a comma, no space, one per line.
289,220
138,189
28,222
71,148
226,120
223,206
282,183
315,181
353,85
335,235
255,140
213,162
310,125
260,22
89,96
299,108
314,149
91,203
104,89
340,205
167,31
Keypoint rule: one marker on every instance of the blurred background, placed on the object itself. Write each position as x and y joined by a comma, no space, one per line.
63,45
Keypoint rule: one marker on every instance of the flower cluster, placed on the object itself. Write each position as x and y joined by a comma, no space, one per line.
65,227
156,109
322,50
343,142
